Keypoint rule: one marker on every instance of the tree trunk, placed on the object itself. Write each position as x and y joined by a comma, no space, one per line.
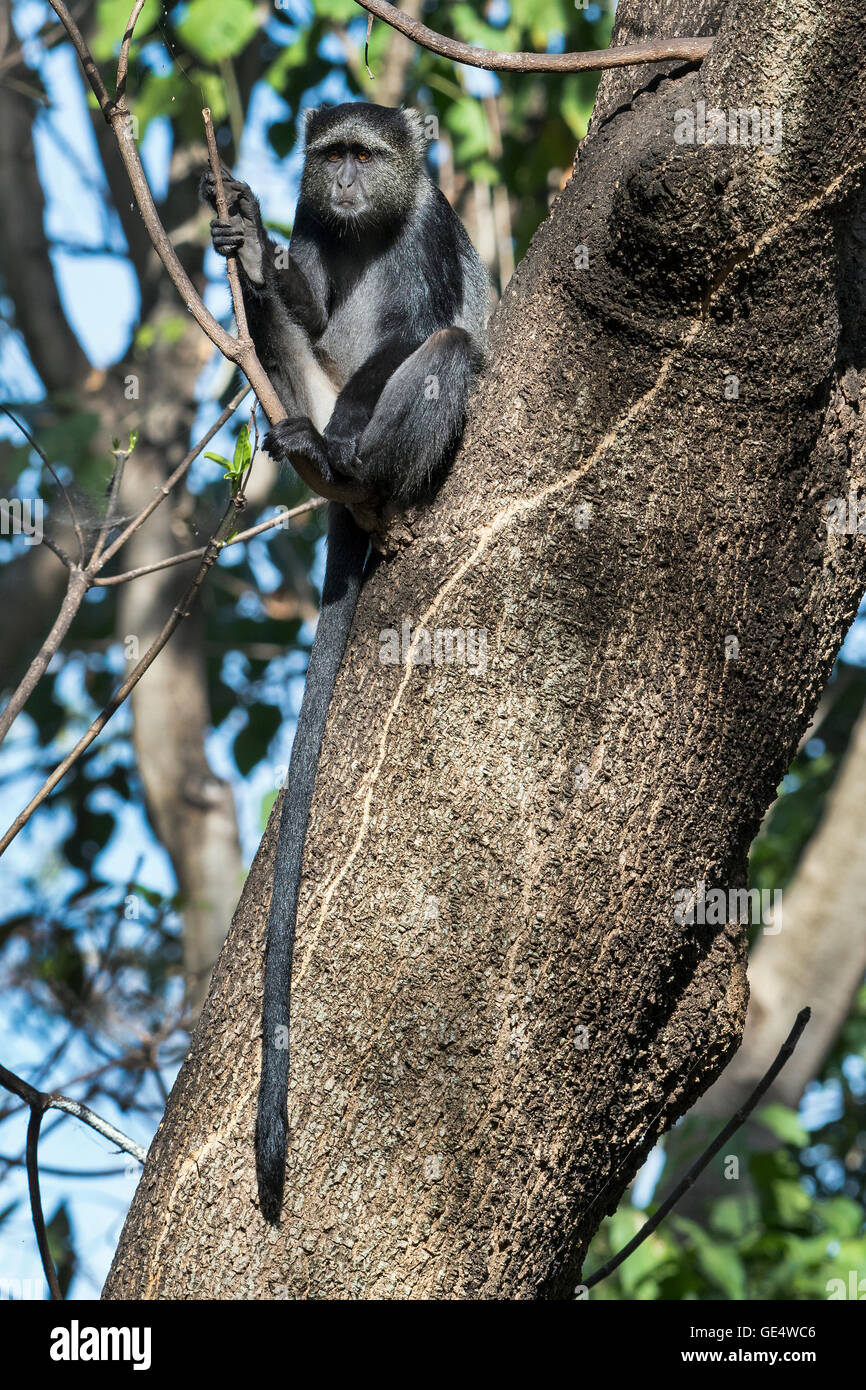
495,1009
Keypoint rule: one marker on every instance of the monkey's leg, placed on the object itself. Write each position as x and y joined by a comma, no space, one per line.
357,402
419,415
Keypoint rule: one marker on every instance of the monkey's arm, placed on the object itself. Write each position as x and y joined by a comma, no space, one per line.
284,312
270,275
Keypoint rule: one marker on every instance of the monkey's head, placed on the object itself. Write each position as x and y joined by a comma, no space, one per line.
364,167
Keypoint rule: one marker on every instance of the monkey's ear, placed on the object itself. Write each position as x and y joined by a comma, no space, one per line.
309,116
416,127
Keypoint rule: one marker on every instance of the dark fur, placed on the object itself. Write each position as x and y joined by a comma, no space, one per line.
372,333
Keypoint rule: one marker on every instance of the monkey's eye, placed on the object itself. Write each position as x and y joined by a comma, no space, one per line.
363,156
334,156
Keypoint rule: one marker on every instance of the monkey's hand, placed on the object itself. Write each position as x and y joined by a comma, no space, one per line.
243,235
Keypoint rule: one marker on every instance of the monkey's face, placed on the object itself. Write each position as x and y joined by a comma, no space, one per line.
363,168
350,176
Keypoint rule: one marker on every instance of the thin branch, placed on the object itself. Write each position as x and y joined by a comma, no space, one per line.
51,469
223,215
169,562
178,613
76,588
123,60
305,507
658,51
238,350
39,1102
36,1113
175,477
80,580
120,458
50,1100
58,550
708,1154
104,1127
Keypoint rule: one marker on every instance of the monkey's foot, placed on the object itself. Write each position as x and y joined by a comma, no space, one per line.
297,435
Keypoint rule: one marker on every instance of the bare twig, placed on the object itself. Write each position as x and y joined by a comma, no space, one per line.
708,1154
123,61
39,1102
81,579
36,1113
175,477
222,214
76,588
178,613
120,458
691,49
104,1127
367,48
51,469
58,550
305,507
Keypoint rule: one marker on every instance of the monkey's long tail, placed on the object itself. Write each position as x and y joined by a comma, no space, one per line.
347,550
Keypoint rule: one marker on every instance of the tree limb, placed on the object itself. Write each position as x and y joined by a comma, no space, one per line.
623,55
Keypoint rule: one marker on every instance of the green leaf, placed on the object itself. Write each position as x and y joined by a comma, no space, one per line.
282,137
251,743
218,31
730,1216
576,105
218,458
723,1267
243,451
471,29
842,1217
266,807
468,124
294,55
791,1201
112,17
784,1124
717,1262
336,10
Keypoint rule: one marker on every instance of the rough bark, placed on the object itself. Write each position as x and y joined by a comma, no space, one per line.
495,1011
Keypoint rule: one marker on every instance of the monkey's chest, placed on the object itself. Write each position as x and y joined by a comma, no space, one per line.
352,335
